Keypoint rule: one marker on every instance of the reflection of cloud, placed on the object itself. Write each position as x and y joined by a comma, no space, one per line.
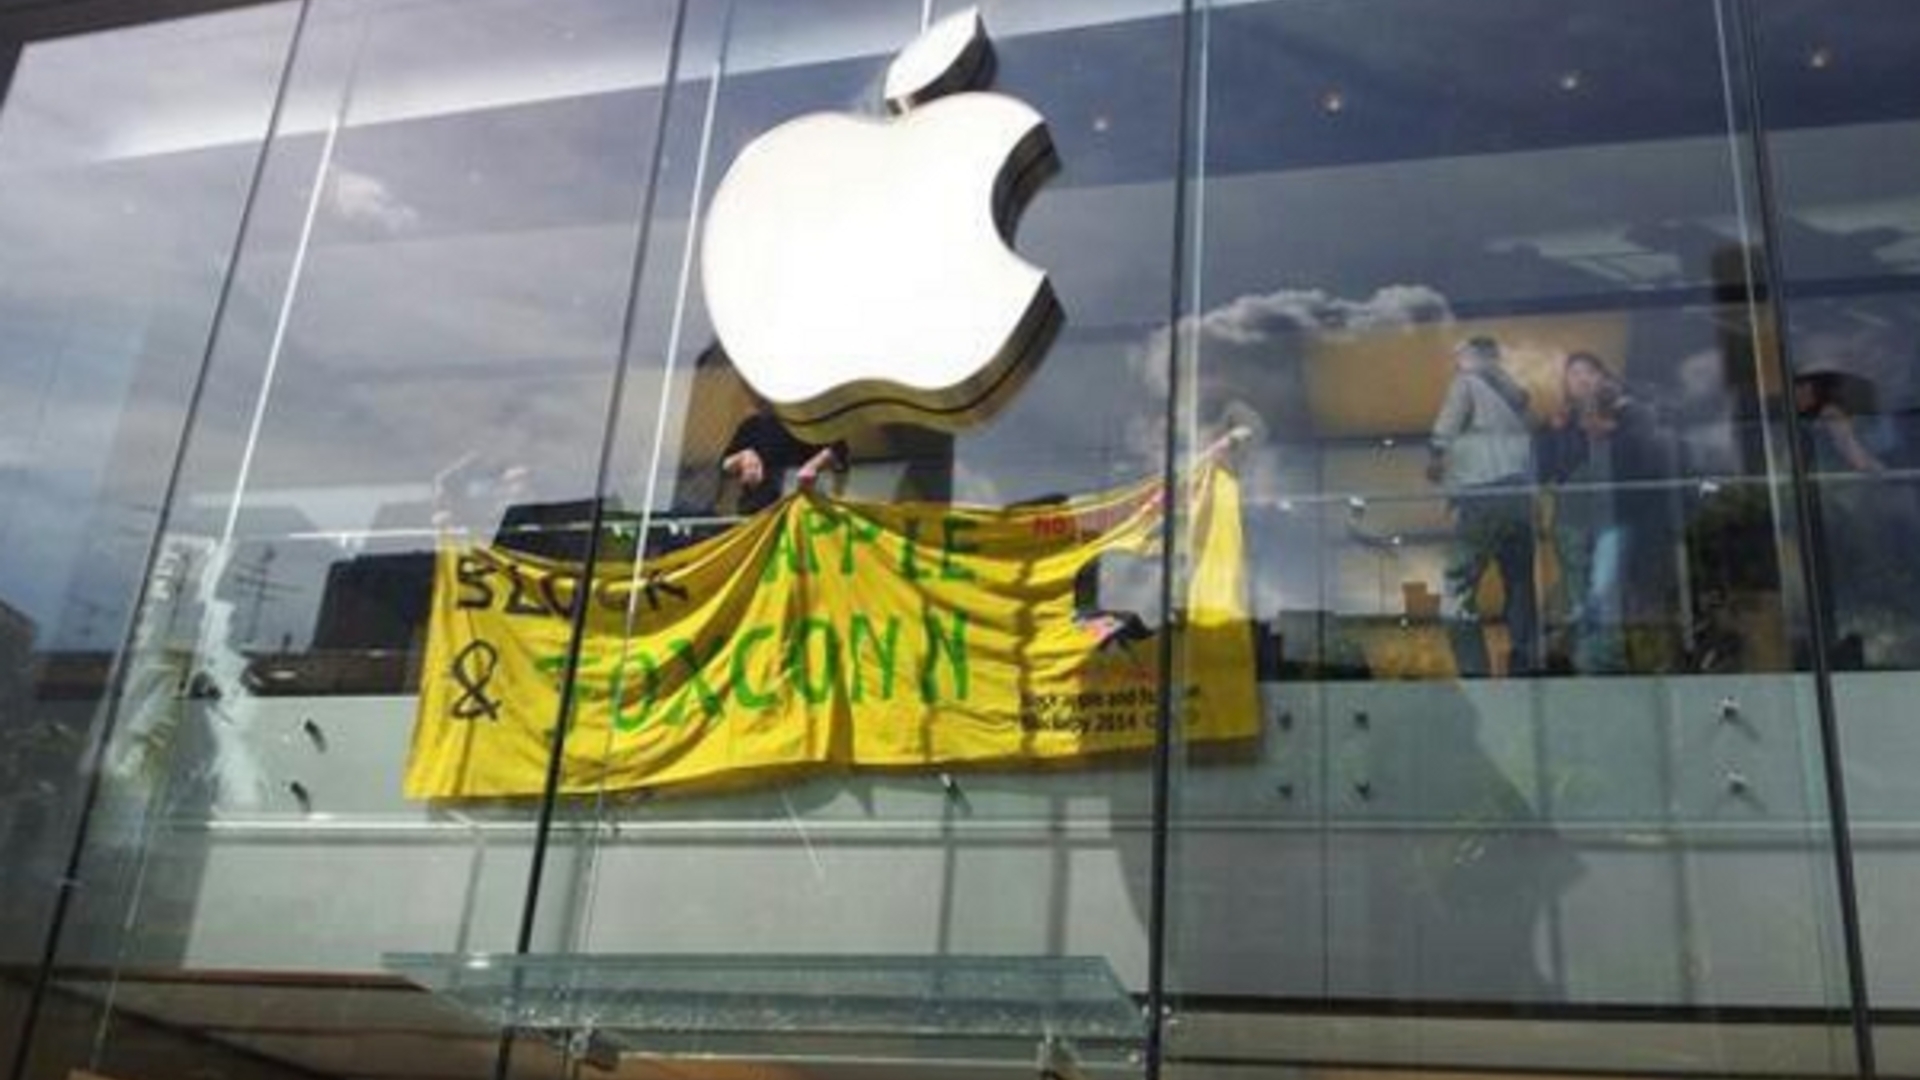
1231,349
1257,318
975,488
1244,372
364,199
111,278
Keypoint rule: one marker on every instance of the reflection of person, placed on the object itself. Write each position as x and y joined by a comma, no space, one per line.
1845,430
1866,520
1605,438
762,450
1482,454
1471,905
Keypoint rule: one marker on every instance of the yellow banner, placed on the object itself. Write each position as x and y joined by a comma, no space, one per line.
828,632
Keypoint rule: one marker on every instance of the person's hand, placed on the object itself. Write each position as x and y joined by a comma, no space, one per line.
810,472
747,467
1234,436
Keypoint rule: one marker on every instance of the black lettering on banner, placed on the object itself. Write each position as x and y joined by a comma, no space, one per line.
472,572
472,670
523,600
561,590
653,585
608,594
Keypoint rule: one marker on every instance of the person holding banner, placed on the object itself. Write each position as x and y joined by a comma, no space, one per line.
834,634
761,452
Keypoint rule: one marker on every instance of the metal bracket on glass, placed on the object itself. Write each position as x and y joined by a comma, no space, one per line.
1057,1060
589,1046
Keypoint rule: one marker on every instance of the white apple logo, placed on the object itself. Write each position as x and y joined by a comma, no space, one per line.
857,270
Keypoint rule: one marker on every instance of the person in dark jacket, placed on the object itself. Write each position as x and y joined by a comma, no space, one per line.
1604,457
762,450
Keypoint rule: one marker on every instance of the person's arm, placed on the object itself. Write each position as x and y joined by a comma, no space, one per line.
810,470
1840,429
741,460
1509,388
1455,410
832,456
745,466
1233,437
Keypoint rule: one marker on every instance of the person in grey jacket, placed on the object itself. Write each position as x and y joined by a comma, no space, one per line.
1482,457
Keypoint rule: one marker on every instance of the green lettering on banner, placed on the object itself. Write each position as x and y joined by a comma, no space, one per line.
583,688
950,546
909,566
949,644
649,690
784,554
689,656
743,691
858,531
554,667
800,660
815,522
884,649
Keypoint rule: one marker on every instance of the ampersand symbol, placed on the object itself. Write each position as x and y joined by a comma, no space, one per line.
473,669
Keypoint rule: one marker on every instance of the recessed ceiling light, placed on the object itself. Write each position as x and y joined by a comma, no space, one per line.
1572,80
1333,101
1821,58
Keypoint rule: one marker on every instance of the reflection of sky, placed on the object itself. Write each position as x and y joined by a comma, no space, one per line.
107,279
92,96
467,279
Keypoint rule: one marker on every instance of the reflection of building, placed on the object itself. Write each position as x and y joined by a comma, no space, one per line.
373,611
16,649
461,219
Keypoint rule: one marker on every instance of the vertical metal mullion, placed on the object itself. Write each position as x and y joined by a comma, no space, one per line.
116,681
662,413
1807,534
543,828
1170,618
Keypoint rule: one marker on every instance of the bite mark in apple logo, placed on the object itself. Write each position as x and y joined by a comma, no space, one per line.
858,270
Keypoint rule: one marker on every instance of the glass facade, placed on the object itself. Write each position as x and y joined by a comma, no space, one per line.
1435,600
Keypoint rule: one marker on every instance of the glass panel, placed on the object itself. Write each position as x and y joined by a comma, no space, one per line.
118,215
1843,132
420,346
1541,760
938,847
697,1003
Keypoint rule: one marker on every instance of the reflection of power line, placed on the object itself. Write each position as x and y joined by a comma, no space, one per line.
258,578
